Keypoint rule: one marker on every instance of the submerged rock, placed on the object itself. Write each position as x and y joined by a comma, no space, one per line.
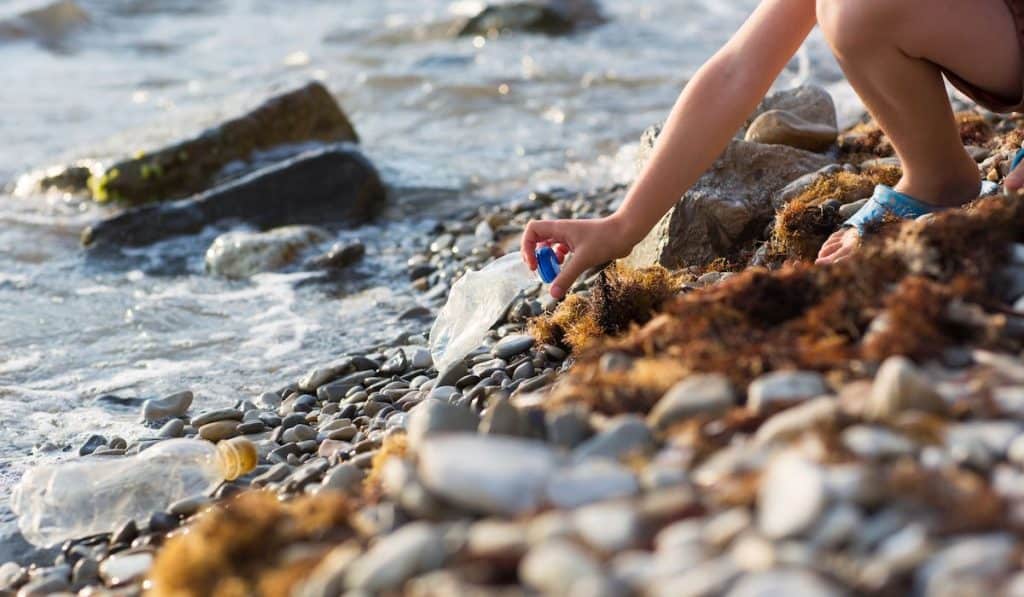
551,17
334,185
339,256
243,254
727,209
48,24
193,165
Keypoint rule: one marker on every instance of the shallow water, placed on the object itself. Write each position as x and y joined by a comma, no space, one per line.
448,121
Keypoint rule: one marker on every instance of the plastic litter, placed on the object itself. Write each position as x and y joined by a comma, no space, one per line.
547,264
479,299
96,495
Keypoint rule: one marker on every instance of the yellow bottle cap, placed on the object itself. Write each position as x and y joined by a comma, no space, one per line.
237,457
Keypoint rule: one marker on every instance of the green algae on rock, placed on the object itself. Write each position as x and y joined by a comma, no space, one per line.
307,114
332,185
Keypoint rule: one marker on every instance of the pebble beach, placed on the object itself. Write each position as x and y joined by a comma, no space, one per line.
711,416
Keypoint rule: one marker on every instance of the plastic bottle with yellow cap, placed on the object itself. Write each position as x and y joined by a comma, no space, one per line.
95,495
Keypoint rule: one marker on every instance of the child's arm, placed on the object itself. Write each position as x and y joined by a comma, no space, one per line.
712,107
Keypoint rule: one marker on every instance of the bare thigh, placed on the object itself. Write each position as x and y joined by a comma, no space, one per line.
975,39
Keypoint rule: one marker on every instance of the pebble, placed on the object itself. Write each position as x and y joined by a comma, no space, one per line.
497,539
705,578
276,473
590,481
224,414
838,525
11,575
174,405
421,359
451,374
415,548
554,566
86,571
779,127
512,345
791,496
608,527
782,388
126,533
783,582
899,387
188,506
615,362
964,561
172,429
251,427
298,433
995,437
43,586
269,401
93,443
567,428
625,435
126,567
321,375
460,467
434,416
343,477
791,422
219,430
875,443
696,395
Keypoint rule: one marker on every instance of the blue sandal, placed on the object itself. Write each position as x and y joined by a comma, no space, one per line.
886,200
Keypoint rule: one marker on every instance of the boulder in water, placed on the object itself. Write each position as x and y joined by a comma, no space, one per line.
307,114
550,17
49,24
727,209
332,185
242,254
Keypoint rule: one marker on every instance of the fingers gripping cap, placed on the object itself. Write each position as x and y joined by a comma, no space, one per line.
547,264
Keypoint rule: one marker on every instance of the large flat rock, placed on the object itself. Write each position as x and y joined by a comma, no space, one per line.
727,208
304,115
333,185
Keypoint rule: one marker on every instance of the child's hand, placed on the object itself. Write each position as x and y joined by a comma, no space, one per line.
592,242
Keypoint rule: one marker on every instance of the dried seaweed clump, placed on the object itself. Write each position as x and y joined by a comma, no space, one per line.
806,221
902,293
621,297
252,545
974,129
866,140
393,446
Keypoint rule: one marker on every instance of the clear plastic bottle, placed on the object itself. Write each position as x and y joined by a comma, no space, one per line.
97,495
476,302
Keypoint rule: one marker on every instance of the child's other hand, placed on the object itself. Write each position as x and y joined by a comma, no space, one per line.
592,242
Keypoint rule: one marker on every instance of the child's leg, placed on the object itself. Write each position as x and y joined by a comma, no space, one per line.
891,52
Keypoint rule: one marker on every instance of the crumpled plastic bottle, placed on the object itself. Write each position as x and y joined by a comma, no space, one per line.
89,496
479,299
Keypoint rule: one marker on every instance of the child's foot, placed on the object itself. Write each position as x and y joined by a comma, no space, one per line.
1014,182
887,201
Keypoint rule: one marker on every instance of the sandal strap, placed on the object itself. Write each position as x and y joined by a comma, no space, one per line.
885,201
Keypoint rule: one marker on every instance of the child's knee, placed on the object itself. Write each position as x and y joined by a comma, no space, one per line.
851,25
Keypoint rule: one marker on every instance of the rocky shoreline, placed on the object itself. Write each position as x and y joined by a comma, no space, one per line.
763,435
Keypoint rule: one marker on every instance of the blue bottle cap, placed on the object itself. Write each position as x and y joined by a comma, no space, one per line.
547,264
